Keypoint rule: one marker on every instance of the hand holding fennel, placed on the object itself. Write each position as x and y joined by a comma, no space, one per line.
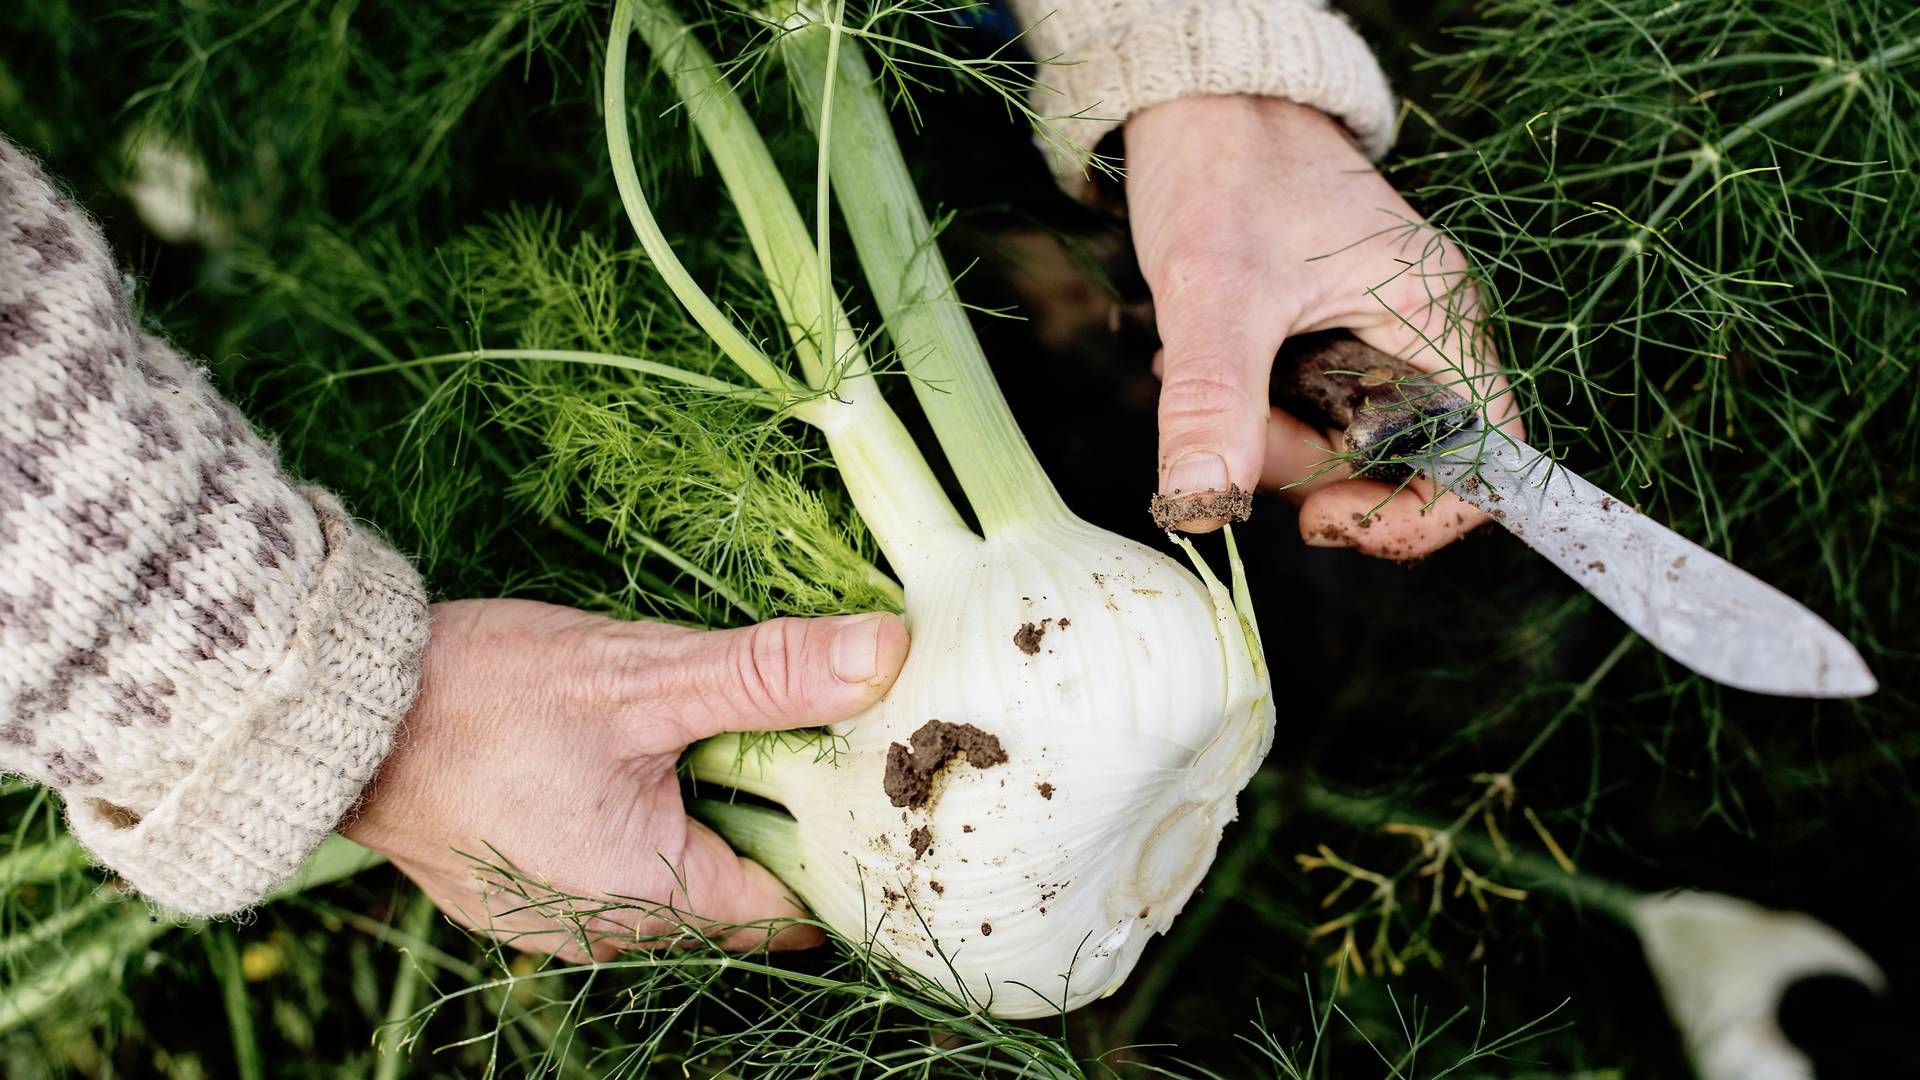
590,714
1047,781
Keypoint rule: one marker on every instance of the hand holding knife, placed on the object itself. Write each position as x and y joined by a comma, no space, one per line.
1692,605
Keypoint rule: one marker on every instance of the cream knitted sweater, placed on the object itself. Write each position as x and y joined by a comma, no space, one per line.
206,661
1108,59
209,662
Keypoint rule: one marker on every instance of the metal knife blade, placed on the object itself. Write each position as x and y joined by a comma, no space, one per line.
1686,601
1689,603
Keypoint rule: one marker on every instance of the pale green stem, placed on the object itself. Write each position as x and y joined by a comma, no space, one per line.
715,322
575,356
406,988
823,221
884,584
225,958
730,761
929,325
768,837
898,495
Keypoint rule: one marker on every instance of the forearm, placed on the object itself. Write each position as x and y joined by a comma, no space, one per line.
1113,58
206,661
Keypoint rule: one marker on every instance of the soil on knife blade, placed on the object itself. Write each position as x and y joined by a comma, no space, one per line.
911,768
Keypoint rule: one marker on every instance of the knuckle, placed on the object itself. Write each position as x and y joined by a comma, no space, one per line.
1203,271
766,668
615,671
605,677
1202,395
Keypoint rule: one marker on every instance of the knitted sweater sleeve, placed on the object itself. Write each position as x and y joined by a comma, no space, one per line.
1112,58
207,662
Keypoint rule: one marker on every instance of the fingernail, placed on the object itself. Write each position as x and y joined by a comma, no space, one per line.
855,657
1196,470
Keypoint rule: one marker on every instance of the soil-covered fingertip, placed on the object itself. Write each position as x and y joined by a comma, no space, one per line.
1231,506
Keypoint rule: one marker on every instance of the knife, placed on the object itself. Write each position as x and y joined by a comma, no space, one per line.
1689,603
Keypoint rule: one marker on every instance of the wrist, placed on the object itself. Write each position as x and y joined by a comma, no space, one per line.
1278,50
1241,122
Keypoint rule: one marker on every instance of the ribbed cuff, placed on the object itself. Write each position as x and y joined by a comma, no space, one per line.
284,774
1266,48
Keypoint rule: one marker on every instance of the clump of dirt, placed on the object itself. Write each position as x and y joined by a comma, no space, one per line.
1027,638
1045,790
920,840
986,929
1064,623
911,768
1170,511
938,889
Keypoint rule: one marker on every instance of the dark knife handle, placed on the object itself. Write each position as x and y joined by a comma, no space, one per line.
1388,408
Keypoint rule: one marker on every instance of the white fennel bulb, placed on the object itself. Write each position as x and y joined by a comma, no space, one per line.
1045,784
1047,781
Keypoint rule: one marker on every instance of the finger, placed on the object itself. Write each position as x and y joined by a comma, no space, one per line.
710,890
1375,519
1471,370
1445,337
779,674
1301,459
1443,332
737,900
1213,405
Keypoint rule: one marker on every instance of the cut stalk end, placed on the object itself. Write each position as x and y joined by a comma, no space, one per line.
768,837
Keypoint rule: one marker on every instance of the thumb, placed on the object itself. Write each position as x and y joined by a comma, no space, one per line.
1213,421
788,673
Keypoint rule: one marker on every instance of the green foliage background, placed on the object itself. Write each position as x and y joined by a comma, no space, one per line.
1697,222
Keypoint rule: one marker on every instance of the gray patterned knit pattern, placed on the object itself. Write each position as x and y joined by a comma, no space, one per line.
207,662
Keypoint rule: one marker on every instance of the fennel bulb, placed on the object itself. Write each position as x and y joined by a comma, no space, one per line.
1047,781
1045,784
